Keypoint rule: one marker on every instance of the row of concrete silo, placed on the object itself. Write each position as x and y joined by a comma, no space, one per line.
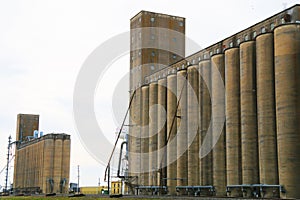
42,164
260,141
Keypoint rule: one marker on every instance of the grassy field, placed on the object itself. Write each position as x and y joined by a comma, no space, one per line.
75,198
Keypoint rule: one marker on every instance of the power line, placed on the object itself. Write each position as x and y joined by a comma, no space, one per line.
8,161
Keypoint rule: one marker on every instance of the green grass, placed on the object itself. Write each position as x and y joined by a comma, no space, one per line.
75,198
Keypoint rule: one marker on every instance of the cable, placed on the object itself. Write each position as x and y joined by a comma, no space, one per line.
5,165
173,121
120,131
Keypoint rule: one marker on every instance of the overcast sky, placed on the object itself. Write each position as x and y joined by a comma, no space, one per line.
43,45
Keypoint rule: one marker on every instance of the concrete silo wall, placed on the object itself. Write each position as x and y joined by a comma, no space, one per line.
287,90
218,114
205,119
171,134
144,177
250,174
134,138
233,122
193,125
182,145
162,131
256,153
43,165
266,114
153,133
57,165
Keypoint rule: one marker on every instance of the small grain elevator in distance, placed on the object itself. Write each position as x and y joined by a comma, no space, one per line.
42,164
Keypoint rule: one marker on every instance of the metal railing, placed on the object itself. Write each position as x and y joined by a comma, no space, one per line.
154,190
197,189
257,190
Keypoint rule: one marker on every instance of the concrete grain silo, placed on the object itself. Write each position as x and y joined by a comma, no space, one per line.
287,90
218,114
233,122
49,155
162,131
153,133
256,154
144,177
157,40
134,138
66,159
205,118
171,134
182,145
42,165
250,174
266,115
193,125
57,165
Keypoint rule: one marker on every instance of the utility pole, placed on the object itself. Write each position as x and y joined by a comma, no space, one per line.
108,179
7,165
78,179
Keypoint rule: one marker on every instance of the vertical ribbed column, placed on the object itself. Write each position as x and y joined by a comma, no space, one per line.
16,171
266,115
36,164
26,166
153,133
193,126
218,115
30,177
287,86
22,170
66,163
201,163
144,176
249,144
182,129
43,179
48,163
162,130
58,153
232,112
131,138
205,117
26,177
171,134
40,164
135,137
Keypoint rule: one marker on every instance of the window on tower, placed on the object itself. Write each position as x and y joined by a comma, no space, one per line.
272,26
254,34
